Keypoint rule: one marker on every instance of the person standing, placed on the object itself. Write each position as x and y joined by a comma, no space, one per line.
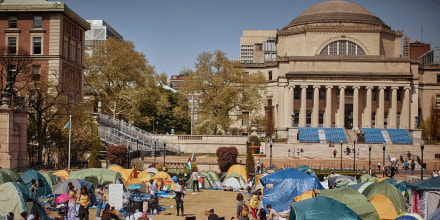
195,178
254,203
258,166
358,153
240,207
397,166
378,167
288,152
293,152
152,188
249,187
34,186
99,199
71,215
302,152
413,167
84,201
405,166
334,153
179,196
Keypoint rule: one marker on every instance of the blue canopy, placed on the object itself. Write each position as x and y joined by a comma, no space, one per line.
281,187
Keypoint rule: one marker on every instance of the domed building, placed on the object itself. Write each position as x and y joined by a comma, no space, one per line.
339,66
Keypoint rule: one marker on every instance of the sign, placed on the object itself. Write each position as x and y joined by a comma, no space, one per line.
116,195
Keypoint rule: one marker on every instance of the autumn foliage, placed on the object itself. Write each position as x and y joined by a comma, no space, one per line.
226,157
117,155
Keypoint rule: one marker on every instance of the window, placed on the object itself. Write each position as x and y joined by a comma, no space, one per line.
399,95
72,52
36,42
438,78
309,94
36,71
296,94
12,72
321,95
65,26
342,47
72,30
79,54
38,20
270,75
12,45
13,22
437,100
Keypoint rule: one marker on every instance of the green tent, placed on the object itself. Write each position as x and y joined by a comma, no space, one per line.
96,175
400,185
51,179
354,200
388,190
432,184
321,207
366,178
5,177
360,187
13,199
308,170
43,188
12,175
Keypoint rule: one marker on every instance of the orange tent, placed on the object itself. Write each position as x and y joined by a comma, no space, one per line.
163,177
384,206
306,195
63,174
381,179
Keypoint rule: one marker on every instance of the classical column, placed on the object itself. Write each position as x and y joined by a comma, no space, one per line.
356,107
341,106
328,107
291,103
303,109
392,115
280,107
414,107
404,114
286,118
380,110
315,113
368,106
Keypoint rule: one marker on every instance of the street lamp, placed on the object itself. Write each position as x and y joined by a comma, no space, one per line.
422,147
271,153
384,146
157,126
341,154
164,153
369,159
128,155
354,155
155,138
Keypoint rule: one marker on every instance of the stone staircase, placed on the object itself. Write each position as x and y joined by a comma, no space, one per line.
351,135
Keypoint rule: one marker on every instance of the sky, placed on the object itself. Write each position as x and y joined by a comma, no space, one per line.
172,33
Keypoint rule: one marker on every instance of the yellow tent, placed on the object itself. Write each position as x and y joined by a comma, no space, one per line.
63,174
238,169
163,177
126,174
384,206
143,176
381,179
306,195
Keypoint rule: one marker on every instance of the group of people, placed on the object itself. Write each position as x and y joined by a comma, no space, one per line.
257,210
82,198
292,152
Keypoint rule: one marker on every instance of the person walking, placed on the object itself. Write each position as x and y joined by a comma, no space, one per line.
180,193
84,201
99,199
302,152
397,167
152,189
71,214
258,166
413,167
288,152
405,166
195,178
334,153
240,208
358,153
34,187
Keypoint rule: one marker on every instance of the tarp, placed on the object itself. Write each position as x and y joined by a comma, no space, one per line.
162,176
63,174
281,187
412,216
432,184
320,208
308,170
354,200
13,199
388,190
384,206
43,188
62,188
239,169
366,178
101,175
334,180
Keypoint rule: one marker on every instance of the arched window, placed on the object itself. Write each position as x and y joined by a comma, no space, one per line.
342,47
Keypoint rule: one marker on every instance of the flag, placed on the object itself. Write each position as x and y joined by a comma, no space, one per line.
67,125
188,164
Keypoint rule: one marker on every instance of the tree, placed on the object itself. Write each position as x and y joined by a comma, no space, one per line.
193,168
226,157
159,167
118,76
15,71
431,126
224,88
250,163
117,155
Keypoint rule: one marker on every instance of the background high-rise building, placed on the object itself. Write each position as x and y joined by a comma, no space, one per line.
265,38
100,31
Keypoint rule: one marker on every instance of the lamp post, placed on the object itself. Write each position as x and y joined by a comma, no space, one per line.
341,154
384,146
157,126
164,153
155,145
271,153
137,148
369,159
354,155
128,155
422,147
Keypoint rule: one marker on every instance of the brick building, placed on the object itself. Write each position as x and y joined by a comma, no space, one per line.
52,35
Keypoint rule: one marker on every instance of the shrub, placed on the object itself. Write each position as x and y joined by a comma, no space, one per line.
94,160
254,139
159,167
117,155
250,163
226,157
193,168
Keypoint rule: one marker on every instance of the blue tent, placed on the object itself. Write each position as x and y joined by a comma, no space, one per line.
281,187
43,188
321,208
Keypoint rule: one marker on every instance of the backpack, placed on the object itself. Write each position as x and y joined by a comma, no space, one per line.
244,210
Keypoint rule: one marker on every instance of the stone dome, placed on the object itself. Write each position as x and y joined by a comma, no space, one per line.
336,12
